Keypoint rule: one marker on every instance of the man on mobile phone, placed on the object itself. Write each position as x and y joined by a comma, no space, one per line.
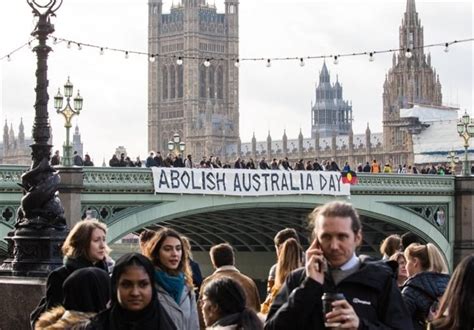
372,298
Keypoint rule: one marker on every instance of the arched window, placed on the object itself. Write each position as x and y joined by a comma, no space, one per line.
220,83
164,82
180,81
212,82
202,81
172,82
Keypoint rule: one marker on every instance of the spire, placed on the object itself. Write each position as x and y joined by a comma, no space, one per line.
21,133
324,75
411,9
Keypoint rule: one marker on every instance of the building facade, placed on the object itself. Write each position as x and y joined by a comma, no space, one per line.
330,114
15,150
411,80
193,82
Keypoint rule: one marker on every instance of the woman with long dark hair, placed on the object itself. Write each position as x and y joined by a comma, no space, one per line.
456,309
134,302
85,246
173,277
223,305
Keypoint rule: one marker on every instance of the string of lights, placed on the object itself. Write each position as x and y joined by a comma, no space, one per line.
268,60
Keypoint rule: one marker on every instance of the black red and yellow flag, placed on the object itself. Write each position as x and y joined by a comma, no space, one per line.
349,177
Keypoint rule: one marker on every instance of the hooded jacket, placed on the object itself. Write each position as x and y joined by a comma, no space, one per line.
54,284
420,292
371,290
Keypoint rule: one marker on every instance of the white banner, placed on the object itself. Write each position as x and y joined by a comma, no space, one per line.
247,182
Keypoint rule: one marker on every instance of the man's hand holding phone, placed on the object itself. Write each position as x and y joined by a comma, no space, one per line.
315,262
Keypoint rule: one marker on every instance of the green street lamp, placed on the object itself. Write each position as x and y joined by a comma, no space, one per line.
175,145
68,112
465,128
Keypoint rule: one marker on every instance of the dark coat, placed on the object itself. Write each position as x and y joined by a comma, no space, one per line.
372,291
420,292
54,284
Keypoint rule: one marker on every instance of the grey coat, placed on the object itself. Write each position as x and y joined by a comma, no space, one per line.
184,315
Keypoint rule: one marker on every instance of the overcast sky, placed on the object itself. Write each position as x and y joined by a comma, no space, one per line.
276,98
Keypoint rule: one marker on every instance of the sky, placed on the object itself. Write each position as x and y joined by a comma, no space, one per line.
271,99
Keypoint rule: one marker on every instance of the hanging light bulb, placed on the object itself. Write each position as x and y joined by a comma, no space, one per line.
237,63
371,57
79,47
301,62
269,63
126,54
69,45
179,61
336,61
151,58
8,58
446,47
101,50
29,44
408,53
55,41
207,63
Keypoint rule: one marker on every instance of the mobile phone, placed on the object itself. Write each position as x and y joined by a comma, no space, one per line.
323,266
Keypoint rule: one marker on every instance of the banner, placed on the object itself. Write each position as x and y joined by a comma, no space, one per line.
247,182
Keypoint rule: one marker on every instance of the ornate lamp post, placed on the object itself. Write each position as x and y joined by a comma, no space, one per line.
176,146
40,227
465,128
68,112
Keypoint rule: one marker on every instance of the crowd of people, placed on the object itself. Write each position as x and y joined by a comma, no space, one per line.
172,160
162,287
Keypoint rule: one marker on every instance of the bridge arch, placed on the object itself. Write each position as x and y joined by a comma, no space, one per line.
176,206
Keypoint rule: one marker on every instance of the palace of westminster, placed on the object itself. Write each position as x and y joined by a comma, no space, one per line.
200,100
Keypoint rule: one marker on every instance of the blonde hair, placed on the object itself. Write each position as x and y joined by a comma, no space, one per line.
289,259
78,240
429,256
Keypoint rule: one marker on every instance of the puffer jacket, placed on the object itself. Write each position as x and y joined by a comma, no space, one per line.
59,318
420,291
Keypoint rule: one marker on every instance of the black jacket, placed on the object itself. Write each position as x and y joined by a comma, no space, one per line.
420,292
54,284
372,291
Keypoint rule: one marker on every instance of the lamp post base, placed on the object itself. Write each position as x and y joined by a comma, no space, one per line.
36,252
67,156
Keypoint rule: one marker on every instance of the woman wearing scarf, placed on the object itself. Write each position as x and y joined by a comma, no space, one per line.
86,292
85,246
173,278
223,307
134,303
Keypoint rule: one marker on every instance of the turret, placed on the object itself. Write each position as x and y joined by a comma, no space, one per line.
300,144
269,145
285,144
254,146
21,134
6,140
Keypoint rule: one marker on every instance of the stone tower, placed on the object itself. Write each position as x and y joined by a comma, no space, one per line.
410,80
77,144
188,94
330,114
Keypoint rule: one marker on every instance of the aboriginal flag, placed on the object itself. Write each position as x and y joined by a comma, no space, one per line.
349,177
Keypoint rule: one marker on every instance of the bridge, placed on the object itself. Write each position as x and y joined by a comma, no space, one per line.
125,200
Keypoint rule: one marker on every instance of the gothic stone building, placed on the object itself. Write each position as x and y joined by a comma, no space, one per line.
188,94
15,150
330,114
411,80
